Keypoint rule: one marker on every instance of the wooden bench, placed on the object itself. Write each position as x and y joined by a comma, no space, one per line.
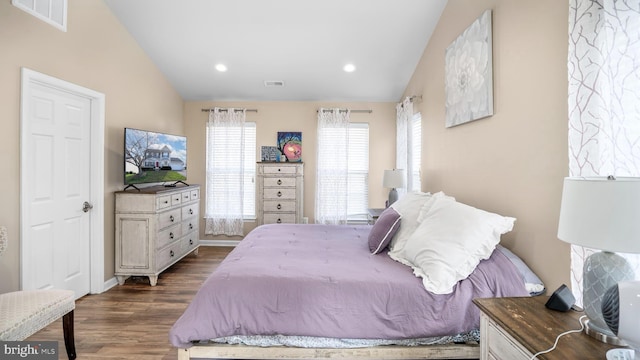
23,313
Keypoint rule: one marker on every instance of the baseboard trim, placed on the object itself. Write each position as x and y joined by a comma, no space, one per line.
231,243
114,282
109,284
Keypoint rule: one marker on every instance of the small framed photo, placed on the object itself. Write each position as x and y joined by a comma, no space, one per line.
270,154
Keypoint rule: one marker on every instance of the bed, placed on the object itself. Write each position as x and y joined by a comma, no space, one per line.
316,291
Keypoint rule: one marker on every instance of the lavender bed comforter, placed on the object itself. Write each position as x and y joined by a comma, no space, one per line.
321,280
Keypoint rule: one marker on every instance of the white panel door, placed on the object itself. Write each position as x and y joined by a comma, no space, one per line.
56,238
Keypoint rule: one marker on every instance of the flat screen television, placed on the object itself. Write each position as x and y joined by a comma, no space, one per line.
152,157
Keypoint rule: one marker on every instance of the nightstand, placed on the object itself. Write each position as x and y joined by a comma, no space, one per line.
373,214
517,328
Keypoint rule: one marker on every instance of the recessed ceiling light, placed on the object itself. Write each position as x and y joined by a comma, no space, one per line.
221,67
349,68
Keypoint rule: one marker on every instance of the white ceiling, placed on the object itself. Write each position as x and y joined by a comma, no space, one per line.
304,43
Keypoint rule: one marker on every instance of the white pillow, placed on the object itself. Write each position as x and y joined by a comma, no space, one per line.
427,205
450,242
408,206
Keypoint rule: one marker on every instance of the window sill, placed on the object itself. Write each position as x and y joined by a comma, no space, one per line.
357,222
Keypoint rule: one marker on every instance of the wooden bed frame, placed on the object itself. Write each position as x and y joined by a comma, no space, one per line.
226,351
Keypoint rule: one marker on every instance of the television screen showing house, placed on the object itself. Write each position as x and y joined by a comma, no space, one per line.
152,157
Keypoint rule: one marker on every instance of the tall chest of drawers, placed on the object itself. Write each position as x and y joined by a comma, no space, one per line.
279,193
155,227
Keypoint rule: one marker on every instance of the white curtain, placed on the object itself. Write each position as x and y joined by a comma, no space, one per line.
332,167
225,172
404,114
604,99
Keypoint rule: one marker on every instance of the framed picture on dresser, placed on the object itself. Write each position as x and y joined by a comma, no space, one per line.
270,154
290,145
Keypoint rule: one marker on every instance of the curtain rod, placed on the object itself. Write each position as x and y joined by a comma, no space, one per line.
226,109
411,99
369,111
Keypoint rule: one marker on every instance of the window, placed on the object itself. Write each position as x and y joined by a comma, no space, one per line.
249,171
415,153
358,172
409,145
227,164
604,88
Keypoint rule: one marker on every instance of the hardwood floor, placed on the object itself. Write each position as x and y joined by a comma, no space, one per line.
132,321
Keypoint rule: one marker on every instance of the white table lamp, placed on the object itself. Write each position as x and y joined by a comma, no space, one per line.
393,179
601,213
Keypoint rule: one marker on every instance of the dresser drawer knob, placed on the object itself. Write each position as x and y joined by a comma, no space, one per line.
279,194
279,206
171,218
171,253
279,221
190,211
279,182
170,235
190,226
190,241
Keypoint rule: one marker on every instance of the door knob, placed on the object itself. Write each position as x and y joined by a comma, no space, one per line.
86,206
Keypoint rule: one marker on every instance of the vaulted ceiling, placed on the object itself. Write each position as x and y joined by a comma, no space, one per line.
303,44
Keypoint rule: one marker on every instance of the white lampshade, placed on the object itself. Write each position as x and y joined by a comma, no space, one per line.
601,214
394,178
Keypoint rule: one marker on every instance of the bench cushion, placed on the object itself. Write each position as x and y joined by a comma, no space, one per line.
23,313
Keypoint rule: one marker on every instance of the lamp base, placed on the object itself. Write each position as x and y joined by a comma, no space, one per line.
393,196
595,333
602,270
622,354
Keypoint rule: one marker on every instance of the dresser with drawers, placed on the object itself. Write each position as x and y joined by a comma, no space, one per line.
279,193
155,227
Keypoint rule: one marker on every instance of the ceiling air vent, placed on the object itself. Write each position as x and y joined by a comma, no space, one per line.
53,12
274,83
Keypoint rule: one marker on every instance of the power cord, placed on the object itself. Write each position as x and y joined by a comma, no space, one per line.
558,338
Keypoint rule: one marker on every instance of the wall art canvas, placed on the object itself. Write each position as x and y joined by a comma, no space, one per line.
270,154
469,74
290,144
